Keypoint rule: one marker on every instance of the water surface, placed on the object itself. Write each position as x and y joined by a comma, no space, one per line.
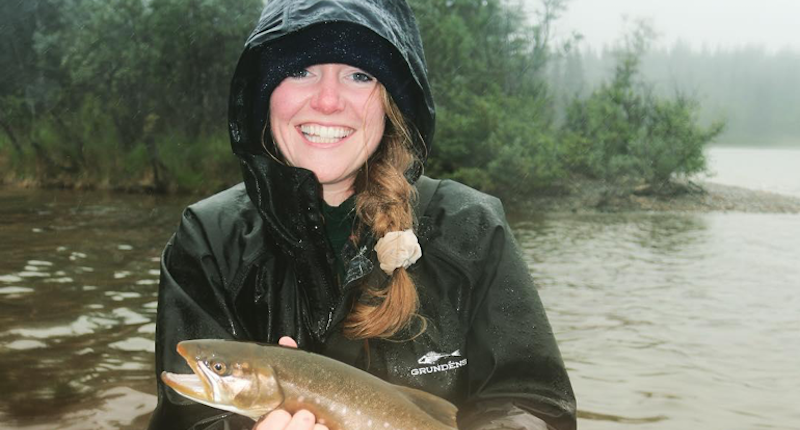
78,288
665,321
671,321
772,169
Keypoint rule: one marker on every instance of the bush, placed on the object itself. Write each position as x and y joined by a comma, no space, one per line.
623,132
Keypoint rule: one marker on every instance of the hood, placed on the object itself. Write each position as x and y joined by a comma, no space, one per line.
289,198
392,20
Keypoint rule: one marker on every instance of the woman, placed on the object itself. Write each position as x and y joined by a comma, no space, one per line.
332,117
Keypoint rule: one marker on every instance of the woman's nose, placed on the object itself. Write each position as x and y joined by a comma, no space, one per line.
328,98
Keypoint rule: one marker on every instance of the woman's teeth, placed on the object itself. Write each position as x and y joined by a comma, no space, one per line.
322,134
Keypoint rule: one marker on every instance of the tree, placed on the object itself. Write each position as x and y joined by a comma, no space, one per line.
624,132
27,81
94,87
487,67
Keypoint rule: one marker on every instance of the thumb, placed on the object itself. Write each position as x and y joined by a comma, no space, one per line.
287,341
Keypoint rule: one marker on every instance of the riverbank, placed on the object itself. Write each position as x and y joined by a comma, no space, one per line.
698,196
585,196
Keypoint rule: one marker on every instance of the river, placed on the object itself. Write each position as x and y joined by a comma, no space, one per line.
665,320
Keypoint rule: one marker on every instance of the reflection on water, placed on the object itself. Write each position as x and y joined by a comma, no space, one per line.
674,320
78,288
665,320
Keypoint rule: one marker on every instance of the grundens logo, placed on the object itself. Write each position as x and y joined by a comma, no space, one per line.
434,357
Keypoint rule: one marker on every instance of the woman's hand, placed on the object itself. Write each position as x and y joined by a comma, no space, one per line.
282,420
287,341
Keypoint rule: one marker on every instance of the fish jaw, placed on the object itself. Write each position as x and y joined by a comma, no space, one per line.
205,387
191,386
194,388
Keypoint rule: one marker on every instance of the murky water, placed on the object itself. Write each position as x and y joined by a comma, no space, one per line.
666,321
671,321
78,285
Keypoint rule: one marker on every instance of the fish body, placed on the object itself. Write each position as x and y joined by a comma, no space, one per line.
432,357
252,380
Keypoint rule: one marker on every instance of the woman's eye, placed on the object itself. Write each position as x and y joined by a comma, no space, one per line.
298,74
362,77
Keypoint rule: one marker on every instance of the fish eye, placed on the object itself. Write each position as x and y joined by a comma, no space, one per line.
219,367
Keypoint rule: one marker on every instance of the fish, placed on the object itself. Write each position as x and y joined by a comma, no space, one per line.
252,379
433,357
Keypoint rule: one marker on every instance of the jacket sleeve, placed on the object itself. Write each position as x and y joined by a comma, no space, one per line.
517,378
192,304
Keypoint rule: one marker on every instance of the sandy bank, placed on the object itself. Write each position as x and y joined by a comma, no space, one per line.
704,197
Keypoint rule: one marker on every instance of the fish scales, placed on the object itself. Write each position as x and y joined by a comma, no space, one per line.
252,379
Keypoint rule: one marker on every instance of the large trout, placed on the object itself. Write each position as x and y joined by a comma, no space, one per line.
252,380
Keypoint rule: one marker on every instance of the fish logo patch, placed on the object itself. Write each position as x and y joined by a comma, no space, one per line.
432,358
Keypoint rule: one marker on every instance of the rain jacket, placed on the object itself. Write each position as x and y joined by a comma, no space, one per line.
253,263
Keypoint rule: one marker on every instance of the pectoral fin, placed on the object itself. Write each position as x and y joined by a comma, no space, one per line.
437,407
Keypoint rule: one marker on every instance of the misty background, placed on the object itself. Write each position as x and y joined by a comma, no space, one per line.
740,59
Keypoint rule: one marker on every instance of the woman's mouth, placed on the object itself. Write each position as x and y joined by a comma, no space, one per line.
323,134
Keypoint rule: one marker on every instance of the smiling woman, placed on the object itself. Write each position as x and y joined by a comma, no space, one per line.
337,241
328,119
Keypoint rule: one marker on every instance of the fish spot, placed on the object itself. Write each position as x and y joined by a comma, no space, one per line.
344,409
386,425
301,399
369,423
358,412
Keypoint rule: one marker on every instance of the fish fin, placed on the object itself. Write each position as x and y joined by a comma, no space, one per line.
435,406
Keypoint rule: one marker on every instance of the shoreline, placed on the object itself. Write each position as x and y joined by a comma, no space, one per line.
703,196
581,196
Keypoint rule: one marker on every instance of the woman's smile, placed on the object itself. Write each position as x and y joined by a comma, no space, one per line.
324,136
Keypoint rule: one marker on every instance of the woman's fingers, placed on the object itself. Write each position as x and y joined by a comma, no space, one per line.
282,420
275,420
287,341
302,420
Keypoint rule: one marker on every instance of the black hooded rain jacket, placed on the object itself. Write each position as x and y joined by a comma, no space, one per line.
253,263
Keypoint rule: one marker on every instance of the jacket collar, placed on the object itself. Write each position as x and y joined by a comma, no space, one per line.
289,201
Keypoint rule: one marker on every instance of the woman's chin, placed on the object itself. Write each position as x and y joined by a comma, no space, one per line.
334,179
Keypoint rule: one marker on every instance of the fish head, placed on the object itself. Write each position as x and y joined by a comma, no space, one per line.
228,376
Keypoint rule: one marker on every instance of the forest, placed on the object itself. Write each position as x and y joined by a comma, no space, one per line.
755,91
132,95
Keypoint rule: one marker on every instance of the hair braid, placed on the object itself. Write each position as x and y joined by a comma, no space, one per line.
385,204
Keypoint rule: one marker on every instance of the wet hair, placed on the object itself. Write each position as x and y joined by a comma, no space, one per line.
384,203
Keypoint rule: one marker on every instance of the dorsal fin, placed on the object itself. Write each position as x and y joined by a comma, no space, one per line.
437,407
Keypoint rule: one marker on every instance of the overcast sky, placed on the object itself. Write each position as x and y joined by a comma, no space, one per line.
773,24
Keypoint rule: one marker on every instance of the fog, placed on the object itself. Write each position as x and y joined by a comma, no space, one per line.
738,59
770,24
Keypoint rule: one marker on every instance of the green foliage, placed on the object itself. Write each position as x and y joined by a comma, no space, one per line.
206,164
623,132
93,89
757,91
133,94
494,114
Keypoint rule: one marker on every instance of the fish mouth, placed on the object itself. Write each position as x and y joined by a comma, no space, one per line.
195,385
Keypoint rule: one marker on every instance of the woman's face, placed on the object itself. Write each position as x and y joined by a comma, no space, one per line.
329,119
